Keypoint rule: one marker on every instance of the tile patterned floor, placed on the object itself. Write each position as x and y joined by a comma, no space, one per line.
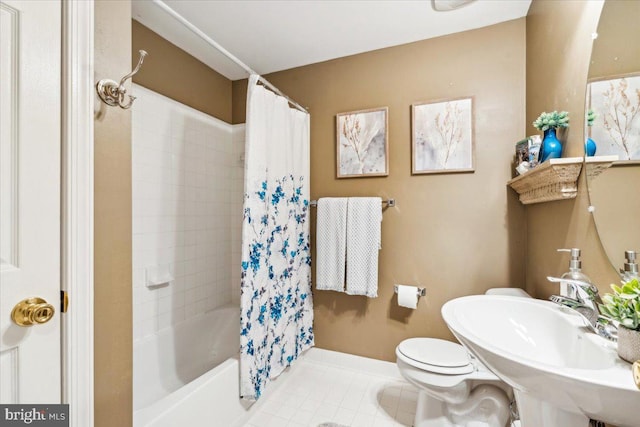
316,393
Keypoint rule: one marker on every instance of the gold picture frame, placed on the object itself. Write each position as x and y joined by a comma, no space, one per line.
362,143
442,136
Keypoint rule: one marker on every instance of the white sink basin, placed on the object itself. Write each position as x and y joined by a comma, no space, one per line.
561,373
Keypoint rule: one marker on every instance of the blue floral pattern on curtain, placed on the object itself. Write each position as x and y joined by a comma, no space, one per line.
276,302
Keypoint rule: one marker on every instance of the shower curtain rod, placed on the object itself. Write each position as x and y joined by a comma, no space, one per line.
225,52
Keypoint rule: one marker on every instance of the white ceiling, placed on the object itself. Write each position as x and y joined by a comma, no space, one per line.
272,35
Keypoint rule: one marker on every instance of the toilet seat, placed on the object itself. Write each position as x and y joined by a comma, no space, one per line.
435,355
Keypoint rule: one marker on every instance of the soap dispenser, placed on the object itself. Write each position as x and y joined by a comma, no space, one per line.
630,270
574,273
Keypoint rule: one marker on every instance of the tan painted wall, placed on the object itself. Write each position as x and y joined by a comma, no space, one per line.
112,314
616,51
558,52
174,73
455,234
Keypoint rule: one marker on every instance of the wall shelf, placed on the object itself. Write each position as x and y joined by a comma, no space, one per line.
597,164
555,179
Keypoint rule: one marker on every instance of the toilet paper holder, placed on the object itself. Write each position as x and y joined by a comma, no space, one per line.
420,291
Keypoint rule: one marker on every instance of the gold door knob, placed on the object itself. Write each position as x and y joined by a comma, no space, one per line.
32,311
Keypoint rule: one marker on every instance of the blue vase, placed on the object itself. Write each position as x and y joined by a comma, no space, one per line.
551,146
590,147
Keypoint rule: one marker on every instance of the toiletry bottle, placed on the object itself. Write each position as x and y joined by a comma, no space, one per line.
535,142
630,270
574,273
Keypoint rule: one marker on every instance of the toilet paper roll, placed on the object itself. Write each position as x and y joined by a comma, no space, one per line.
407,296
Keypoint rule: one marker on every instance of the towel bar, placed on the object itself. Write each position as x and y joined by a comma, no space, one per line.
390,203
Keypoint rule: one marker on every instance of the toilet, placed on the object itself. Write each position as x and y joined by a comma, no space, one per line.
455,388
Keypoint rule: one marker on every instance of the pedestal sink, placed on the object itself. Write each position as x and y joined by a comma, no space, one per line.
562,374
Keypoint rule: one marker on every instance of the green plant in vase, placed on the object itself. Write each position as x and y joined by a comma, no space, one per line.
623,306
591,117
548,123
589,144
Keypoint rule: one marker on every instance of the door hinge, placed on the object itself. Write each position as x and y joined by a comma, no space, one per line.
64,301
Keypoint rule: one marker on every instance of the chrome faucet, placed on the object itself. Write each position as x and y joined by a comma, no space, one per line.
585,299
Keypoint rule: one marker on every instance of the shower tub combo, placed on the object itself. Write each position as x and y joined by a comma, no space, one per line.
187,332
183,377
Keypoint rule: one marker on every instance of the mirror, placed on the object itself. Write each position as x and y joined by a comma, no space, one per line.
613,92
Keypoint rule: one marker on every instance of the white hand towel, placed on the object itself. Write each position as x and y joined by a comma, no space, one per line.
331,234
364,215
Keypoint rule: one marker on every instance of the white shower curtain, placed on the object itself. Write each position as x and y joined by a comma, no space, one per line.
276,305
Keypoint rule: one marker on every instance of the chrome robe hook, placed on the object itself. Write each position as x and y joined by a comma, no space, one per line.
113,93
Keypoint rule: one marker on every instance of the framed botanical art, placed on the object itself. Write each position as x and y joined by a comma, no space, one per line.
442,136
362,142
615,106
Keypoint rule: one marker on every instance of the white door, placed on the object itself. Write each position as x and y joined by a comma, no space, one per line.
30,40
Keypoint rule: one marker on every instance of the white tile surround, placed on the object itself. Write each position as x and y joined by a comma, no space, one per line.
237,199
186,170
326,386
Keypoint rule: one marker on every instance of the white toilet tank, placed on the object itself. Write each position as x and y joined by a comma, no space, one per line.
514,292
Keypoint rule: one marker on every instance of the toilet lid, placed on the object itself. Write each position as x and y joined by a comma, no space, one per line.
435,352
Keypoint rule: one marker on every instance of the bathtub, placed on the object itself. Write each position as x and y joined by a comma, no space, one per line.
188,374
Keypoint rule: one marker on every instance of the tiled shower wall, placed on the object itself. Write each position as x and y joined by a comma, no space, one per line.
185,211
236,207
